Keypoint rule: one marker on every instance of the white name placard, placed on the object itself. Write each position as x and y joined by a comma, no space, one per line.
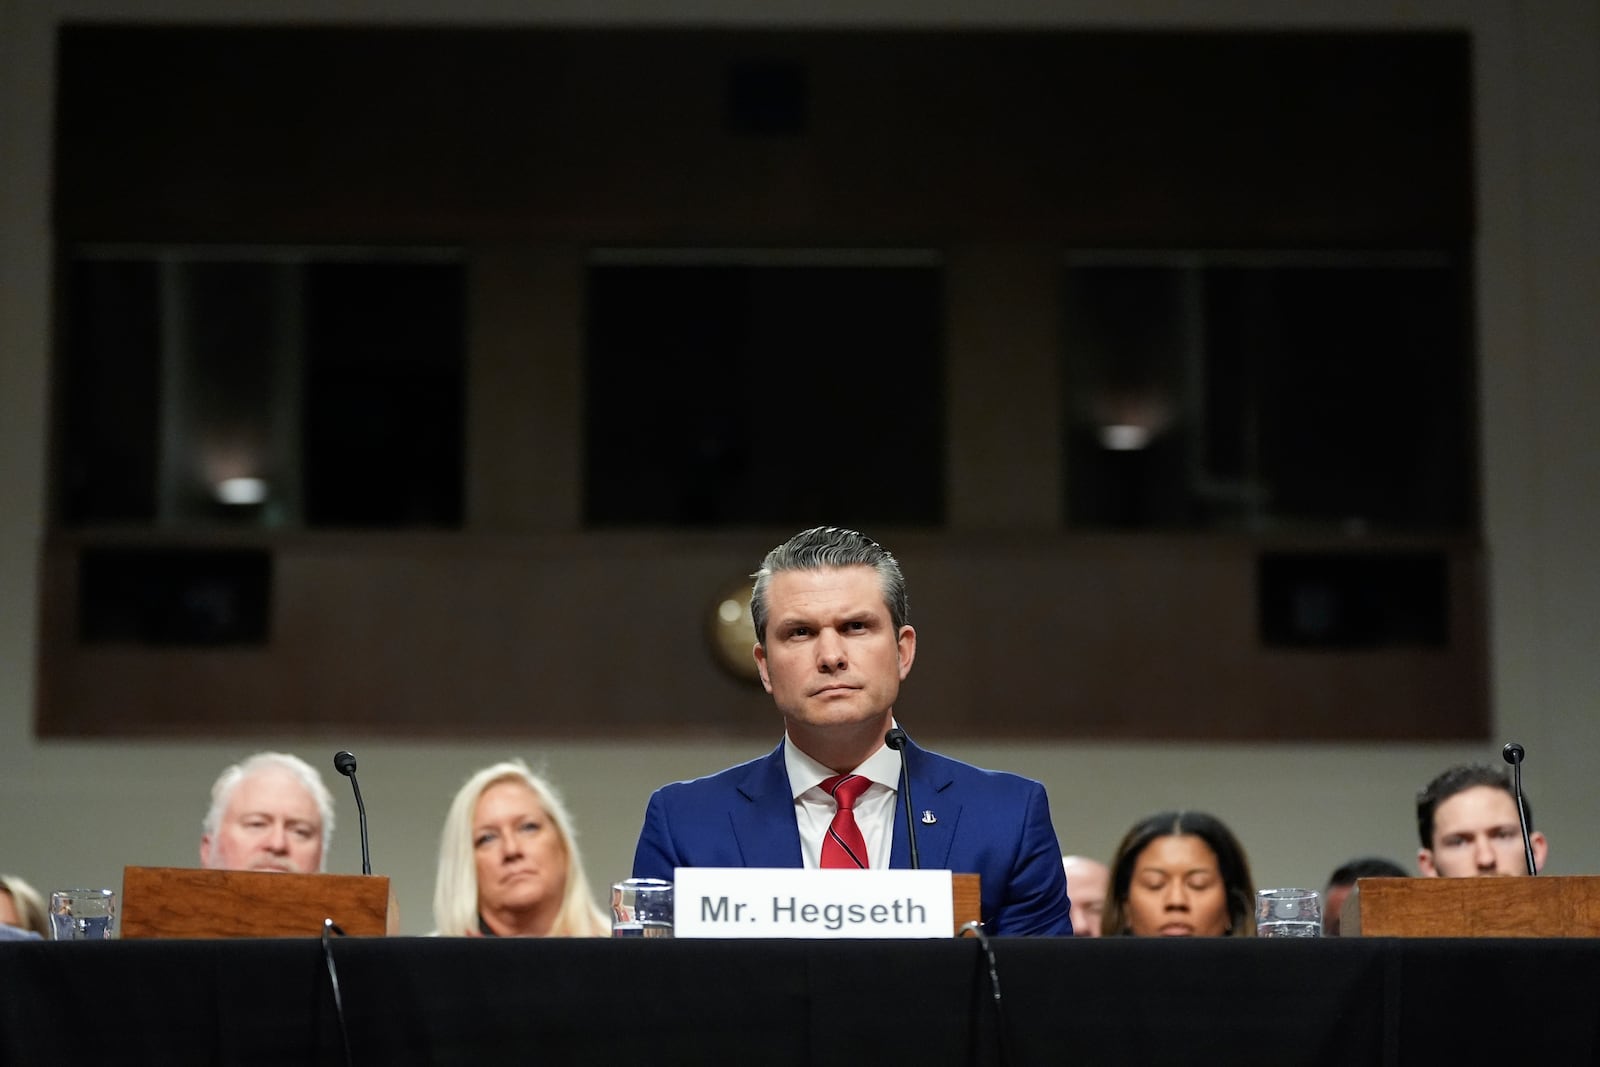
781,902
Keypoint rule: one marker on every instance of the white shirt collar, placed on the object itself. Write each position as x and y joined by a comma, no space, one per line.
882,767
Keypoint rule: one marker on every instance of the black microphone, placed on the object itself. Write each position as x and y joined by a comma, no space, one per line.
345,764
1513,754
896,739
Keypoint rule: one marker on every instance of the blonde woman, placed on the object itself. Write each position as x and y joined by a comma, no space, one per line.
509,863
22,907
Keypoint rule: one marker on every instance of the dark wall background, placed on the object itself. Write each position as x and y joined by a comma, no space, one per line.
1167,139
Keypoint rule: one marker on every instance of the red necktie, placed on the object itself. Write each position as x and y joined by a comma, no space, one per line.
844,845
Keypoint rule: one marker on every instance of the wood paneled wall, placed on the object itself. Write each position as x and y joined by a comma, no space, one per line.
529,145
1173,139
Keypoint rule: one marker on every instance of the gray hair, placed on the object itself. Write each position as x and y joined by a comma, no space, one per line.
455,889
830,546
229,779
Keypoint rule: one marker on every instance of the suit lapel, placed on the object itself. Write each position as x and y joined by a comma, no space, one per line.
930,793
763,816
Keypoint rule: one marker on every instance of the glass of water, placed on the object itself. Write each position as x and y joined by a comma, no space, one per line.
83,914
1288,913
641,907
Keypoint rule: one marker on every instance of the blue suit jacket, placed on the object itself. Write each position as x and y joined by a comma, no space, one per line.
988,822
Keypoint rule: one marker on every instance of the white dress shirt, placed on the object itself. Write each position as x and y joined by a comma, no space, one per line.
814,807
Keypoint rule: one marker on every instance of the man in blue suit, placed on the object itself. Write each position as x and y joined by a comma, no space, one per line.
833,646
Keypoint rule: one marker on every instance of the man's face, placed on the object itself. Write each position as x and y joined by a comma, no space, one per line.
271,823
1087,883
1476,832
832,656
1332,905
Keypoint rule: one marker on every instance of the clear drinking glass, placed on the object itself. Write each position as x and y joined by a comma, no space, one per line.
641,907
83,914
1288,913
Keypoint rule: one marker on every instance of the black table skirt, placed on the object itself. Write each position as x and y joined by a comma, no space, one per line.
1117,1001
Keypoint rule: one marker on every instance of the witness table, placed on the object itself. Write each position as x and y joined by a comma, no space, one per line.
1118,1001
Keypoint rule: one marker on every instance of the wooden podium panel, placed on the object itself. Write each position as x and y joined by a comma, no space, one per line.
185,902
964,899
1473,907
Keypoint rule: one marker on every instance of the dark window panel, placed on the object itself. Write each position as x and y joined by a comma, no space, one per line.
384,414
1344,600
1332,392
109,388
1361,384
174,597
339,383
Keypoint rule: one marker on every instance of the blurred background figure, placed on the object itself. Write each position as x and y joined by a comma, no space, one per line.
509,863
1343,879
1087,881
21,907
1180,874
269,812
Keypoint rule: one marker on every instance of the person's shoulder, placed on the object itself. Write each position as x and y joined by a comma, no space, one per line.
719,780
963,773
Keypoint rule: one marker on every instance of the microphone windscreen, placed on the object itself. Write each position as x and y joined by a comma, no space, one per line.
345,763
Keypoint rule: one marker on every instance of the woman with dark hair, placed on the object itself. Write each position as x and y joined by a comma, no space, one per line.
1180,874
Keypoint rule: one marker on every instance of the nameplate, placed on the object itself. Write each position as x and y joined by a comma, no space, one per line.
732,902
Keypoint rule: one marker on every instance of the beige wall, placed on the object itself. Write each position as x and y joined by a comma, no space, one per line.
77,812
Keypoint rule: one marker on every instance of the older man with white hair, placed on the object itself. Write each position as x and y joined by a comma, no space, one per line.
269,812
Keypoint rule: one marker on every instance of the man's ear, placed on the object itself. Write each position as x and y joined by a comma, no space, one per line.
1541,849
906,640
1425,863
205,850
760,654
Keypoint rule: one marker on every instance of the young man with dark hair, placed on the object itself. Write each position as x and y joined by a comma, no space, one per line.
1343,880
1467,823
